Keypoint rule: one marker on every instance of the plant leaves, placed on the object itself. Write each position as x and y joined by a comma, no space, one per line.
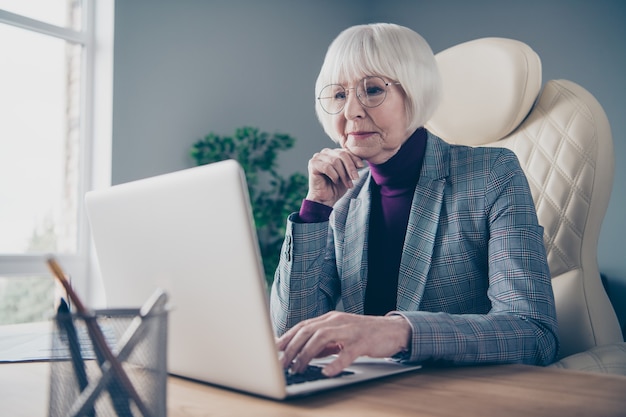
272,196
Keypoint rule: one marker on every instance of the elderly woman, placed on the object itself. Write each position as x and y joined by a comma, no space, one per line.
433,250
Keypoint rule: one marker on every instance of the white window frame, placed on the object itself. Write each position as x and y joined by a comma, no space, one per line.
95,132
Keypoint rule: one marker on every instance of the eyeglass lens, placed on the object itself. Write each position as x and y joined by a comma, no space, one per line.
371,92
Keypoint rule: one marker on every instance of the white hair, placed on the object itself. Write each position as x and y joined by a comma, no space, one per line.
388,50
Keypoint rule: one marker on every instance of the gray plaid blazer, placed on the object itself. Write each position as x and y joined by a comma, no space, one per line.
474,280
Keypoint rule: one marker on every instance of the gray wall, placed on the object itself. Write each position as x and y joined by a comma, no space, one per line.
185,68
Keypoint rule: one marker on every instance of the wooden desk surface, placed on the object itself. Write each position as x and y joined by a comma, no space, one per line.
511,391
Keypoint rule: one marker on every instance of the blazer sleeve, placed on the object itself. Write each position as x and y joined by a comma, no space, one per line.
305,283
521,325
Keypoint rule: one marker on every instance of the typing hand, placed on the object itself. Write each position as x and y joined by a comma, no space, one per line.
331,172
347,335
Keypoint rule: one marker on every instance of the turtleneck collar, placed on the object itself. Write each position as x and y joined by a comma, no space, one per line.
403,169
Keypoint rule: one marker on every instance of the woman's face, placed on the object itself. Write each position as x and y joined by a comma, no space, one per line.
374,134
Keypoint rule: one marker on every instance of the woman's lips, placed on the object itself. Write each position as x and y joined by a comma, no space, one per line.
360,135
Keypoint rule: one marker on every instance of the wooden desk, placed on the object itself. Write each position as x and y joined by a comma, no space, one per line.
503,391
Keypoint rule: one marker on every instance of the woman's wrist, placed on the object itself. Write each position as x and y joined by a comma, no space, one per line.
404,333
314,212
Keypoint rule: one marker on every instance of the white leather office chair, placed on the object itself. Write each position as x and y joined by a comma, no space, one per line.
493,96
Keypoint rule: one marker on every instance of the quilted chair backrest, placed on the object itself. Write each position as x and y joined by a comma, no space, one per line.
564,144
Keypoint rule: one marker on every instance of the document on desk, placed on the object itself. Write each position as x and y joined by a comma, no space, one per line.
29,342
26,342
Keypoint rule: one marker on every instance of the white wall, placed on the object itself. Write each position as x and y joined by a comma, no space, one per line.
189,67
186,68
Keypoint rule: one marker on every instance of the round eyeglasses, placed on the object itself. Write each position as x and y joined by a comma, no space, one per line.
371,92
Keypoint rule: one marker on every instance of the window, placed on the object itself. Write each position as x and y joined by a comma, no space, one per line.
47,79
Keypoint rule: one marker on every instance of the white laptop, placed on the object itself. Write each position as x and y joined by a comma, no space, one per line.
192,234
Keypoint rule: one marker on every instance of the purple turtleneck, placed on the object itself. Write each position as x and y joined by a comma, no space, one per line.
392,188
392,192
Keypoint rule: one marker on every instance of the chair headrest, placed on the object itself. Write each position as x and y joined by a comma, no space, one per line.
489,86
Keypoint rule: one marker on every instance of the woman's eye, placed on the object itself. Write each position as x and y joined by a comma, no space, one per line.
374,91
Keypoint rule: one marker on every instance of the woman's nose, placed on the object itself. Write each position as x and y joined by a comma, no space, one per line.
353,108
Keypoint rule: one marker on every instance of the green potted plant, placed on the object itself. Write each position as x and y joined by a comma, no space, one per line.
273,196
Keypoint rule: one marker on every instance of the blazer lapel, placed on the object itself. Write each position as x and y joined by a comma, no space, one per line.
354,249
423,223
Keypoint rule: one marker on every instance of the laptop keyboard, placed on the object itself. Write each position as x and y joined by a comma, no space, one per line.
312,373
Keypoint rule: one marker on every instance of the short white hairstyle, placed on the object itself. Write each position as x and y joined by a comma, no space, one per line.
388,50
